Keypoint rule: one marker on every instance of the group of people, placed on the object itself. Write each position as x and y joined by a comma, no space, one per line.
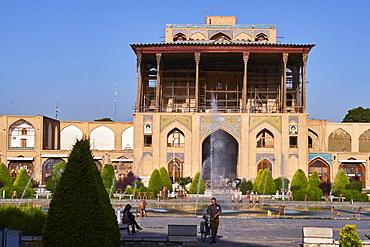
214,210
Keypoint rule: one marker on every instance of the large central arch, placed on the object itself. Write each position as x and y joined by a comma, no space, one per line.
219,157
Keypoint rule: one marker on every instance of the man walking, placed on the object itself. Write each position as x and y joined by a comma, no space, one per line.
214,210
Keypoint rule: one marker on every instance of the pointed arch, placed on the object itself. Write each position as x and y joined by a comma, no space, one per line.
68,137
261,37
339,141
364,142
322,168
312,138
243,36
128,138
265,139
220,35
175,168
102,138
21,135
179,37
354,170
263,164
48,167
197,36
175,138
219,161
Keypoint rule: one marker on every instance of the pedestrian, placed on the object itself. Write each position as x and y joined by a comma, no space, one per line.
214,210
128,217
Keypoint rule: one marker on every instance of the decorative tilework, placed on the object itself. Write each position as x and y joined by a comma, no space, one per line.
256,32
237,32
293,155
147,153
327,157
185,120
176,31
294,118
203,32
260,157
227,32
148,117
211,123
170,156
255,121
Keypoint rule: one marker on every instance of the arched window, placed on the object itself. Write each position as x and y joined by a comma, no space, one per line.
364,142
261,37
263,164
220,35
355,171
322,169
179,37
175,168
175,138
21,135
265,139
339,141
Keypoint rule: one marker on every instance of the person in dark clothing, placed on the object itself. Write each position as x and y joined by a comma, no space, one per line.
214,210
128,217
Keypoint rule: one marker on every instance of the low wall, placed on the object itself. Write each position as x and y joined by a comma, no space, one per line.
322,237
178,235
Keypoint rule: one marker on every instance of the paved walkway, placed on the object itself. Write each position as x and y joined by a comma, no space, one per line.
253,232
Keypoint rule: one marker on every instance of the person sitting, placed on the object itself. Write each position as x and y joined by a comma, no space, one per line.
128,217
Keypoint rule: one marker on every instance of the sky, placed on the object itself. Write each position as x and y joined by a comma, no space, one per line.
69,54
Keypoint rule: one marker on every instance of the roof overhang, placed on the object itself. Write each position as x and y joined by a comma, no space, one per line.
20,158
352,161
54,155
122,160
252,47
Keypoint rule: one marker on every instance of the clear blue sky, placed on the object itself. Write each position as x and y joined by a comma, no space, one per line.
73,51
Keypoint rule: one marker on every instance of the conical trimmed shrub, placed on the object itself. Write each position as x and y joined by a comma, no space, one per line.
5,177
195,183
166,180
80,212
266,185
155,182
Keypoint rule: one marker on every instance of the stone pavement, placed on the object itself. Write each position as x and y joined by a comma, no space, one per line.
252,232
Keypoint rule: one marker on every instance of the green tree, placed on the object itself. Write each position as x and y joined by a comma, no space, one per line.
22,179
279,183
266,185
355,185
196,183
257,180
299,180
80,213
57,174
313,190
5,177
108,178
340,182
245,186
166,180
183,181
359,114
349,237
155,182
104,119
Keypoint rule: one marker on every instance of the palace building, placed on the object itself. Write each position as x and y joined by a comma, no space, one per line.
219,96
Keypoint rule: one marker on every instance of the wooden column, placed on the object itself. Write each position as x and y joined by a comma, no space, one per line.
139,92
158,84
197,60
283,86
304,58
245,77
